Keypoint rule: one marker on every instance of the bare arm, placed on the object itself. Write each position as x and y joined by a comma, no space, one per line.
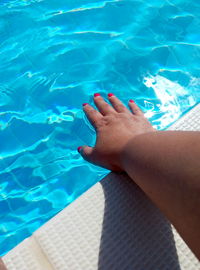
164,164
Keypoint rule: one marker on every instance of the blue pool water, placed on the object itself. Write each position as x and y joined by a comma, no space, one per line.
54,54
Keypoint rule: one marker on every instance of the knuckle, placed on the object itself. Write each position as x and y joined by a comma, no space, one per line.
99,126
108,119
92,112
95,123
120,107
105,105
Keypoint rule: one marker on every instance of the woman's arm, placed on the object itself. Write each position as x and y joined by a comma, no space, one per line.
164,164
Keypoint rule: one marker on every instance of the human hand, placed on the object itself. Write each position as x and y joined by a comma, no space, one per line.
115,126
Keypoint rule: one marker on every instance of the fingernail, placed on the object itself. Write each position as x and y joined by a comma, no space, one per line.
97,95
84,104
132,101
79,149
110,94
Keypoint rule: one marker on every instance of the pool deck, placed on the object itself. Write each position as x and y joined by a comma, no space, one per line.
112,226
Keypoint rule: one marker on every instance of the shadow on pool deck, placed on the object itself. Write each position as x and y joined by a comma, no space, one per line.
135,235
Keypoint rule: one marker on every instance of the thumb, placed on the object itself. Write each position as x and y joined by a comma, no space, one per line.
87,153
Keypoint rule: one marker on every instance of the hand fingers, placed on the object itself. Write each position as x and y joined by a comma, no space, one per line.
134,108
117,104
102,106
93,115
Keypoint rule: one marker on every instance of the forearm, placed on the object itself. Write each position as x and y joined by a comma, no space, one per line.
166,166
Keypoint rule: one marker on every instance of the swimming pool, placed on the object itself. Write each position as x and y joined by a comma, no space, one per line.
54,54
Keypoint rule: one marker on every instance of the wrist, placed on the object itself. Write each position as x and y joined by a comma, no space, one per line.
135,151
127,154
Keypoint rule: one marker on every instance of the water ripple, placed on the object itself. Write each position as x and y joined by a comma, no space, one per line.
54,55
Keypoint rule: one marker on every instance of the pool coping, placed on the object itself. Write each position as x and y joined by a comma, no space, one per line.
82,223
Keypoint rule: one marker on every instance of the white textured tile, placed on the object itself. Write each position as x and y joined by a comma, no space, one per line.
71,240
27,256
190,121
